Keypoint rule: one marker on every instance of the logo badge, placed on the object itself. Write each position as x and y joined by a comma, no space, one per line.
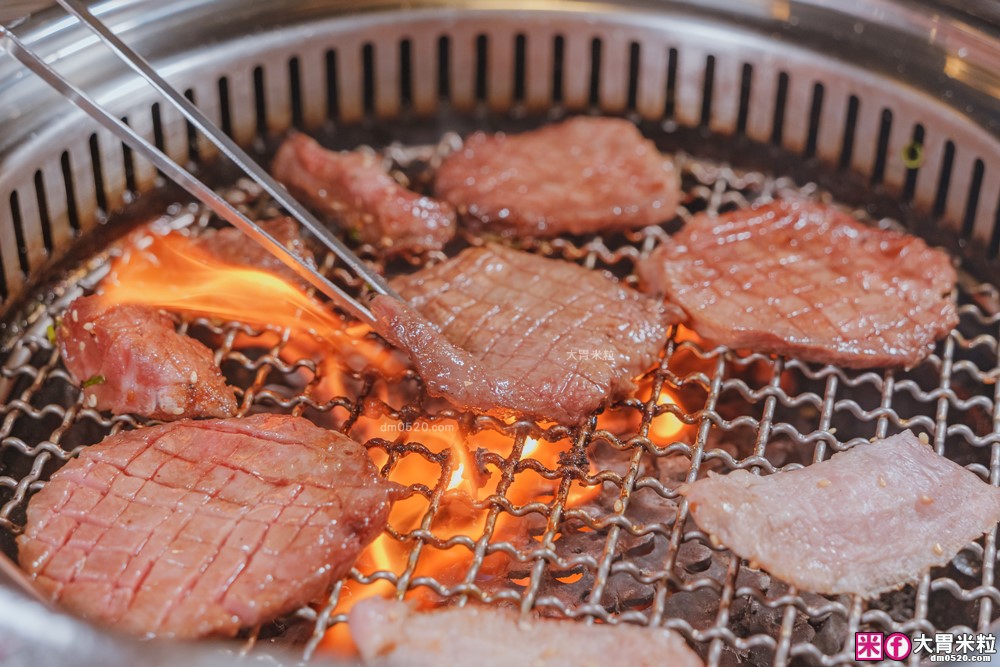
868,646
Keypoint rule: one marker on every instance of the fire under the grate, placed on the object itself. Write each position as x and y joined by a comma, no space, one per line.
583,523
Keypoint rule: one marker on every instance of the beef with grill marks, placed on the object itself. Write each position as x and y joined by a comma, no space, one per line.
353,190
199,528
389,633
580,176
506,332
808,281
865,521
129,359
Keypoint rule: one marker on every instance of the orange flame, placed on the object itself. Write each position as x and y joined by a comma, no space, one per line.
666,426
169,271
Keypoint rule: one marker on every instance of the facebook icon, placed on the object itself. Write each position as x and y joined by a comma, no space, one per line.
897,646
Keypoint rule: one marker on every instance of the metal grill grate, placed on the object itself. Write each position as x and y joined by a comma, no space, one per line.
629,555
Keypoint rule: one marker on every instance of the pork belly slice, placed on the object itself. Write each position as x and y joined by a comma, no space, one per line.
355,191
866,521
579,176
805,280
389,633
232,246
505,332
200,528
129,359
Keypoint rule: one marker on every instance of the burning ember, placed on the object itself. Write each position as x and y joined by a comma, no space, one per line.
459,481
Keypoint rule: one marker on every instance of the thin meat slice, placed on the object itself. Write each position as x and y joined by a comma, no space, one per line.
232,246
389,633
129,359
805,280
510,333
354,190
865,521
579,176
199,528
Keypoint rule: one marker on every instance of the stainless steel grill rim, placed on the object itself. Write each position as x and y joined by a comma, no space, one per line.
682,67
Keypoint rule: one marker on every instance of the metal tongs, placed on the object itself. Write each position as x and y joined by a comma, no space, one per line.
188,181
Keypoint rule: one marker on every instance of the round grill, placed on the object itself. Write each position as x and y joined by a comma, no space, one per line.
751,117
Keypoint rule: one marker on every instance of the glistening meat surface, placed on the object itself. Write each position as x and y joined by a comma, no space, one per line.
355,191
865,521
808,281
579,176
200,528
506,332
129,359
390,634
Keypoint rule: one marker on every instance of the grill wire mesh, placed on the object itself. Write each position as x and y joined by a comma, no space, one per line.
630,554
